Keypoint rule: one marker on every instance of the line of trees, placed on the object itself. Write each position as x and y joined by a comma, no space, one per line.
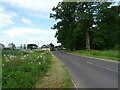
90,25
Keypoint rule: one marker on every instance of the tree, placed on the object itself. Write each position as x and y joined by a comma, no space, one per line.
51,46
12,46
32,46
106,35
87,14
24,46
86,25
65,27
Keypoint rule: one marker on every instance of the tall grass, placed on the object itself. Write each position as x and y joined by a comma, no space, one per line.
107,54
22,69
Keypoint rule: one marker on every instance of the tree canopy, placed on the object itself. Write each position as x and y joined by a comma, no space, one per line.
85,25
32,46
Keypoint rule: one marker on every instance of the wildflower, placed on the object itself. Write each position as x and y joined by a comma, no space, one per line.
39,63
41,56
22,58
7,60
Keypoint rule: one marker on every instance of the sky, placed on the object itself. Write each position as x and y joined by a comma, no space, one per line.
27,21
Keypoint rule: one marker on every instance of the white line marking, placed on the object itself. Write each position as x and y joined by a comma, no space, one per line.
102,67
74,83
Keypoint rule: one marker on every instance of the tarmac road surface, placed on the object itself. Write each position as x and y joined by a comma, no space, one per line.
90,72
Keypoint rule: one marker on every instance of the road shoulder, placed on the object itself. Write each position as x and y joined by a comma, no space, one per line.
57,76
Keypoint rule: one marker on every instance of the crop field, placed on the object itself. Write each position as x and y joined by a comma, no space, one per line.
23,69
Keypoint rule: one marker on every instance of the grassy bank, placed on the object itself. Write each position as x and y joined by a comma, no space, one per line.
22,69
110,54
57,77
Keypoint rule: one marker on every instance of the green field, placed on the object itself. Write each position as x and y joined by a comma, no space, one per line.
22,69
108,54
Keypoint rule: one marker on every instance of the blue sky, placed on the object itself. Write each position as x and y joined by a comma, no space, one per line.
27,21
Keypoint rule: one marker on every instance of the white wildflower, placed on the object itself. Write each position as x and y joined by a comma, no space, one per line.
22,58
7,60
39,63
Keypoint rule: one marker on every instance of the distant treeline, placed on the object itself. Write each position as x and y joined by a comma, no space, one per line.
87,25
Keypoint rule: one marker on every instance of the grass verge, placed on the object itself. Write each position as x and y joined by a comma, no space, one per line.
110,54
57,76
23,69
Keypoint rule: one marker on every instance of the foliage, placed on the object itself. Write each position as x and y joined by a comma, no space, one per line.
32,46
51,46
22,70
85,24
11,46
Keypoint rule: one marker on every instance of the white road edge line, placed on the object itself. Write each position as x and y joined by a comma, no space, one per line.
103,67
74,83
68,71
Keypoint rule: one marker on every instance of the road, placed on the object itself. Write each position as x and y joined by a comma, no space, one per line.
90,72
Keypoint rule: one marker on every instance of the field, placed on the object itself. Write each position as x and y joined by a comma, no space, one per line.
108,54
22,69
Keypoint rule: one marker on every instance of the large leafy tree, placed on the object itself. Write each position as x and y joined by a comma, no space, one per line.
32,46
65,26
106,34
82,23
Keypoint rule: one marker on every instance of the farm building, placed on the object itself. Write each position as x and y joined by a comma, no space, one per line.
45,47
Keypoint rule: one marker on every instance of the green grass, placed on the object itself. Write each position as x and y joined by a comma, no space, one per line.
57,77
108,54
22,69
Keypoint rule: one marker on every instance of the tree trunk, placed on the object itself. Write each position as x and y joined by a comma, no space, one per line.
87,40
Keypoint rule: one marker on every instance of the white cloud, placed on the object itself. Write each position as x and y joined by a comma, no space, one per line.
27,21
6,17
23,32
22,35
37,5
